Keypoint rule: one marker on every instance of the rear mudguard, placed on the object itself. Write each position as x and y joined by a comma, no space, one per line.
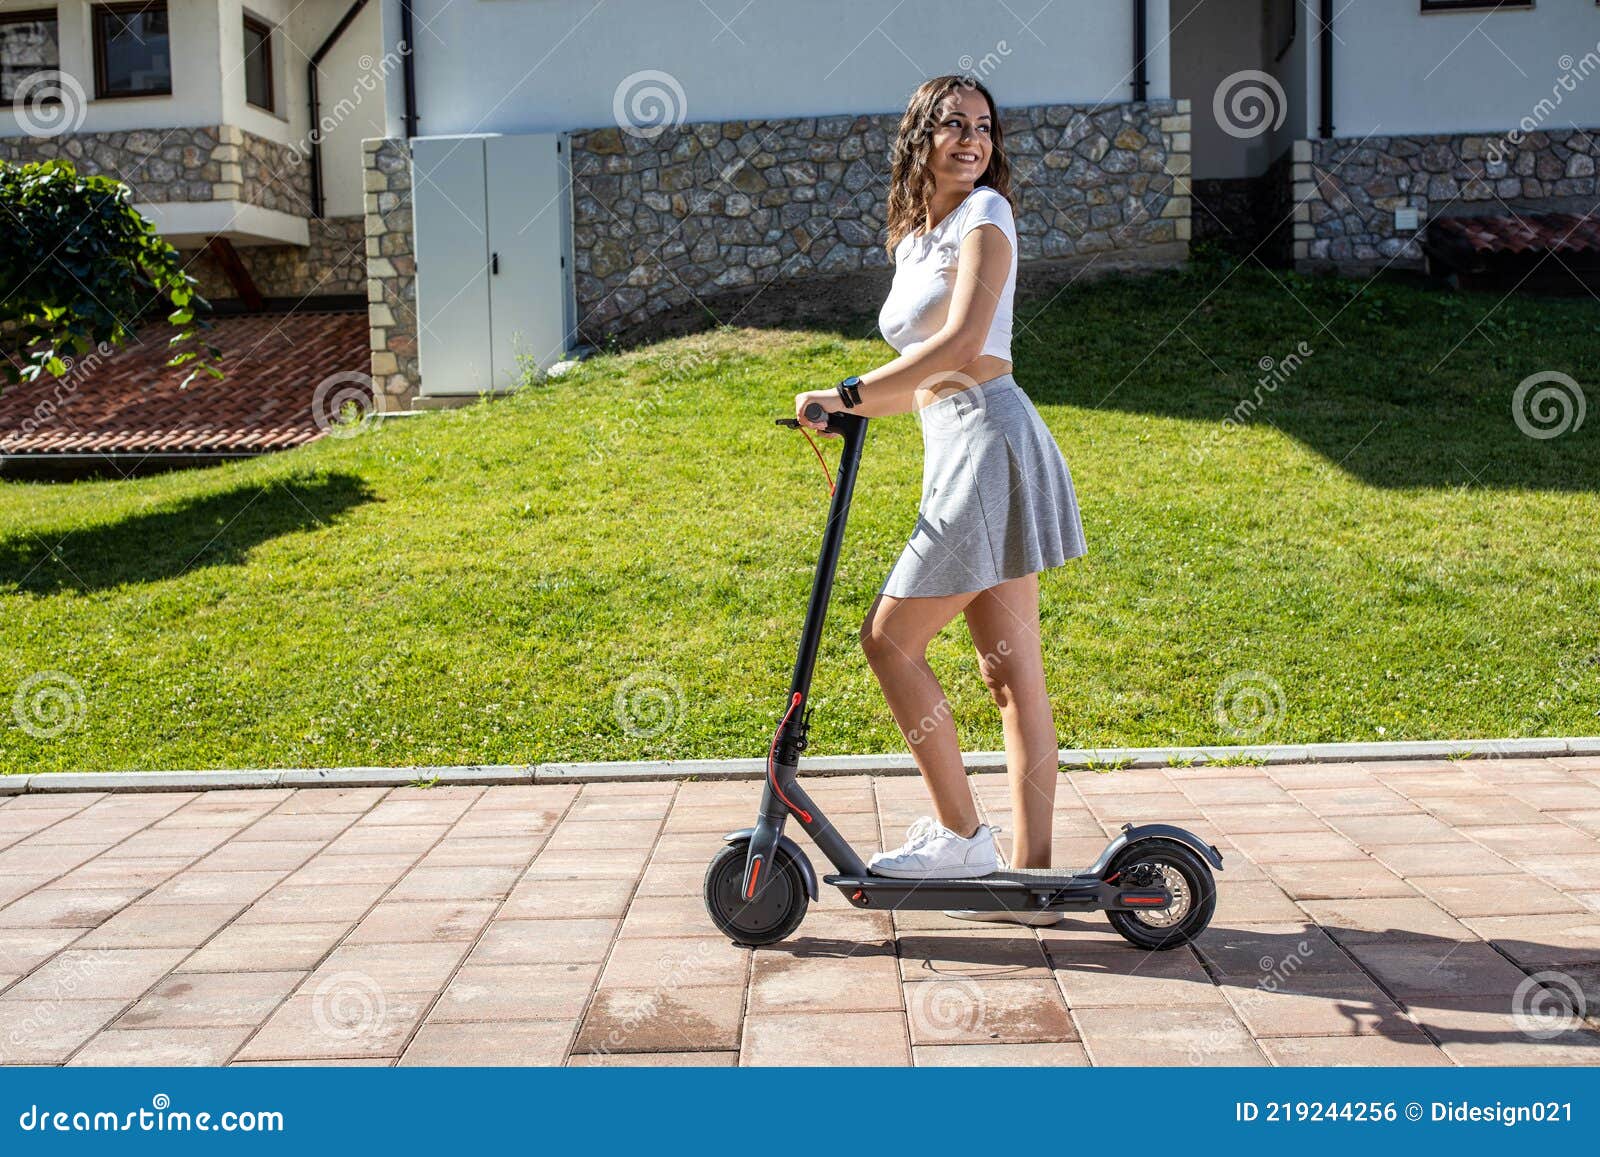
1132,835
787,845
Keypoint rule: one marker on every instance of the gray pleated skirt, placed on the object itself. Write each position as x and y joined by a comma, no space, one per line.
997,498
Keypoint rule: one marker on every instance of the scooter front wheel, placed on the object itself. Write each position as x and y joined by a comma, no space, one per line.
772,913
1194,895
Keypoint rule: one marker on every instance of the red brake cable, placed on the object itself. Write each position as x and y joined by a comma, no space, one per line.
820,459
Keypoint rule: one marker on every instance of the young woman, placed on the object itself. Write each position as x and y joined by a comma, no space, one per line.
997,499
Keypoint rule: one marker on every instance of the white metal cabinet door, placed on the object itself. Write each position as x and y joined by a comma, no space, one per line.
450,220
529,198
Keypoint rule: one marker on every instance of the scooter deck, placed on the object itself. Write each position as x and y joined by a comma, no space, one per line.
1013,889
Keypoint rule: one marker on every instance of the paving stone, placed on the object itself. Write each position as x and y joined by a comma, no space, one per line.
148,925
1242,819
337,1022
1490,806
1130,976
1378,831
402,968
1494,895
934,955
1253,902
267,947
24,949
1563,871
689,962
1354,801
1386,919
862,978
47,1032
1548,940
1475,1030
87,975
1337,880
1166,1037
544,941
67,908
497,992
458,851
284,855
1412,969
654,1060
1060,1054
1348,1051
199,887
1257,953
211,1000
825,1038
161,1047
522,1042
625,834
107,873
413,921
967,1010
1534,839
568,899
1297,847
479,883
667,916
365,839
291,903
1412,860
1316,1006
654,1020
349,870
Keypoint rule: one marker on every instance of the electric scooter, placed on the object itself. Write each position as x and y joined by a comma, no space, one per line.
1152,881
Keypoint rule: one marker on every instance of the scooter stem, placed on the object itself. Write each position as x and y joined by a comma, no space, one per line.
782,793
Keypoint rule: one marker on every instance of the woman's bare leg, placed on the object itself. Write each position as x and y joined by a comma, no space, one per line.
1004,624
895,637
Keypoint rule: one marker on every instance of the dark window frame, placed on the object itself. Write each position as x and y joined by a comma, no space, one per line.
28,16
97,33
264,30
1475,5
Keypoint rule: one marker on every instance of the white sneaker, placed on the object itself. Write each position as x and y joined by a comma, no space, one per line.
934,852
1035,918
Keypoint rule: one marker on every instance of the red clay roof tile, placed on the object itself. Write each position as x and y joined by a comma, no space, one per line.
127,401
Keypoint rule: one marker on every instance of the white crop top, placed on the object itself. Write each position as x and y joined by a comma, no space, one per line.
925,276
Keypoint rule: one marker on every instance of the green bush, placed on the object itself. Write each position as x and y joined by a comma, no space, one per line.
80,267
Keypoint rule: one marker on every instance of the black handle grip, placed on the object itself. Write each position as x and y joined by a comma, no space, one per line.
815,411
494,263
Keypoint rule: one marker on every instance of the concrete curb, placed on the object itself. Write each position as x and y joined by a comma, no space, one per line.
645,771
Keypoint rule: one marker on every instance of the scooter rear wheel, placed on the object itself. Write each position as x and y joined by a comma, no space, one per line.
1193,889
772,913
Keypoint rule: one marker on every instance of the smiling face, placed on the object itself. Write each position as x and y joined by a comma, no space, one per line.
961,139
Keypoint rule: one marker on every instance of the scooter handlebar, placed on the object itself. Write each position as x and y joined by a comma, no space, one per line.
817,412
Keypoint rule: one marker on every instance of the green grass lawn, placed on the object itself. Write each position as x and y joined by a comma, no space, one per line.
1378,544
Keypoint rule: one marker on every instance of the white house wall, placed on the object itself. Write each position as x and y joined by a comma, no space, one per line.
517,66
1400,72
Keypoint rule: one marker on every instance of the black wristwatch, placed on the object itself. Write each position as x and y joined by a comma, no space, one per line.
850,392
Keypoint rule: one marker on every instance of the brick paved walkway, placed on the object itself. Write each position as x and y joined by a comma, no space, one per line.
1369,914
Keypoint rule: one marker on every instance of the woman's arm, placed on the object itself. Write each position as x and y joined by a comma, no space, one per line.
892,388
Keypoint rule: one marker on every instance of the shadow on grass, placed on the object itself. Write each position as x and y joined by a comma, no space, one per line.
205,530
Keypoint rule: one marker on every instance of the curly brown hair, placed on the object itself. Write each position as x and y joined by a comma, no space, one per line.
911,182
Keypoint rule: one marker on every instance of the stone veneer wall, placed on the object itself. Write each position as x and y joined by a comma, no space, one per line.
721,209
1346,191
333,264
391,273
208,163
220,163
